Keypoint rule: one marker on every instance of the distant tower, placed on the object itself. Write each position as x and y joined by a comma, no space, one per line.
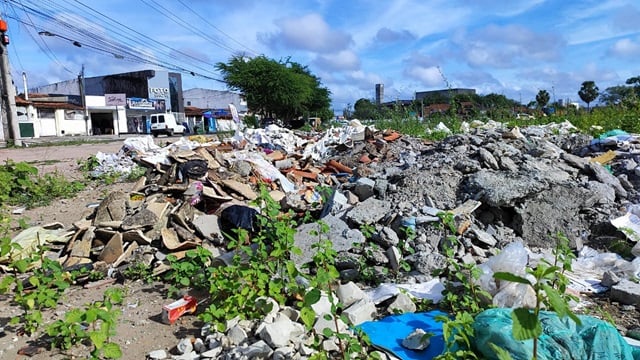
379,94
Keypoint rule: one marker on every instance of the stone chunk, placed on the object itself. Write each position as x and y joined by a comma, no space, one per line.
208,226
361,311
417,340
626,292
157,355
281,332
349,293
369,211
488,159
258,350
237,335
242,189
386,237
364,188
402,304
604,176
395,257
341,236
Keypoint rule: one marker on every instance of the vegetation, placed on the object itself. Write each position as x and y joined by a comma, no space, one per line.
20,184
95,323
542,99
277,89
588,92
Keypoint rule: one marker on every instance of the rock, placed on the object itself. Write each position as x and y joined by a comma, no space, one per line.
349,293
381,188
283,353
143,219
602,193
237,335
488,159
395,257
340,235
626,292
112,250
330,345
323,323
609,278
211,354
386,237
281,332
501,189
369,211
360,311
185,346
483,237
258,350
157,355
208,226
604,176
364,188
418,339
322,306
401,304
427,263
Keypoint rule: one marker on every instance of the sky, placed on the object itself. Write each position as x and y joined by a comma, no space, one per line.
515,48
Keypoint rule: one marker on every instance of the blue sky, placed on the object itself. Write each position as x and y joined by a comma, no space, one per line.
515,47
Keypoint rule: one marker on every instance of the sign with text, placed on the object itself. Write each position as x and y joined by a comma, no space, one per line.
159,93
140,103
115,99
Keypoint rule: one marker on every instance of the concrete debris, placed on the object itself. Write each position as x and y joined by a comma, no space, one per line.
394,202
417,340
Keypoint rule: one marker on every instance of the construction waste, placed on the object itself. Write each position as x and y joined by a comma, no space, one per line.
508,190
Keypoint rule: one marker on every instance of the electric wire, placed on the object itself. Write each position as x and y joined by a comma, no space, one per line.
90,36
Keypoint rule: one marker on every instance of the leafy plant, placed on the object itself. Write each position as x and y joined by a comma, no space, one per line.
550,289
261,268
95,323
191,271
140,271
21,184
41,290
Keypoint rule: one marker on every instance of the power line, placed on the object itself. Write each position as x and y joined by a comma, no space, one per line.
90,36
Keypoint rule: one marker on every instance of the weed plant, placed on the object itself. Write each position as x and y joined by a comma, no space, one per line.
20,184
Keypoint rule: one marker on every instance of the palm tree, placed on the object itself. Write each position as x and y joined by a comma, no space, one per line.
588,92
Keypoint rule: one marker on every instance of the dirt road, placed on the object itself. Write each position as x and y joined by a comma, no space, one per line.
58,153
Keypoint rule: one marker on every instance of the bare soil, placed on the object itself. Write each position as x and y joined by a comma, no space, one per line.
140,329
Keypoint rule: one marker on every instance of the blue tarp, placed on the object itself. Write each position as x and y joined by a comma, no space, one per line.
388,333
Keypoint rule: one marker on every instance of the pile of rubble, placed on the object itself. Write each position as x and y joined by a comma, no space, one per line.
500,185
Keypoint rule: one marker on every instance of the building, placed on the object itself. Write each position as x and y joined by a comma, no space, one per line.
117,103
214,99
444,93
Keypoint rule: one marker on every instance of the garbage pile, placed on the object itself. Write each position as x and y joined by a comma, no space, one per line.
500,186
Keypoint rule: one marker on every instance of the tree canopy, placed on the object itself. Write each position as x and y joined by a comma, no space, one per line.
588,92
278,89
542,98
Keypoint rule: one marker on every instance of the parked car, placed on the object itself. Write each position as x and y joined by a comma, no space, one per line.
165,124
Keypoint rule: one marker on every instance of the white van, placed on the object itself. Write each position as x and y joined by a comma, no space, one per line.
165,124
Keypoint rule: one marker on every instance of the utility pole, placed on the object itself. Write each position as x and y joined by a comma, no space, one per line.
9,112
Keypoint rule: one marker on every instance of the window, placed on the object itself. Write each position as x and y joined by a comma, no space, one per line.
46,113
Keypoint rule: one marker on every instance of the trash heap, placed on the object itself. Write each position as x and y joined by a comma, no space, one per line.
500,185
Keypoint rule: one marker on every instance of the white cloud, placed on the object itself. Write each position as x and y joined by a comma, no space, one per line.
625,48
341,61
427,76
501,46
309,32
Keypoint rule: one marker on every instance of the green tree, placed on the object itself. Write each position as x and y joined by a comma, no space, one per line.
277,89
365,109
615,95
542,98
588,92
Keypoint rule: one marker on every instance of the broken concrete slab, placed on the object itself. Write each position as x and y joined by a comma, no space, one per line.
369,211
342,237
626,292
113,250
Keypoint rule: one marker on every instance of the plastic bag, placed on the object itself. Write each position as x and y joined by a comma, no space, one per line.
561,338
